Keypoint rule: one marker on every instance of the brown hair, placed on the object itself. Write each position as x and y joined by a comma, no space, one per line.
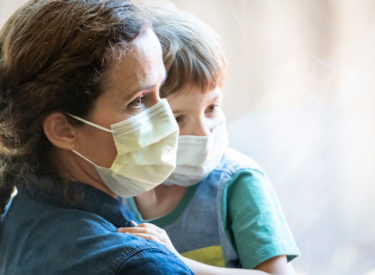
191,51
53,55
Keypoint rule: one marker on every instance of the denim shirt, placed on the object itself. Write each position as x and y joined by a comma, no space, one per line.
42,233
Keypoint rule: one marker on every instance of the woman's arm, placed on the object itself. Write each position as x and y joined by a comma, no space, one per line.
204,269
277,265
154,233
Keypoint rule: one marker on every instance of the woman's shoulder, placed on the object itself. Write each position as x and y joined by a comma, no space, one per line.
82,242
101,247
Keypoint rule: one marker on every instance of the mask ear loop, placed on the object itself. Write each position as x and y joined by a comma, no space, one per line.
82,156
90,123
93,125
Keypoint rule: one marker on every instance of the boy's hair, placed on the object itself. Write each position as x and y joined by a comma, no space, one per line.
191,52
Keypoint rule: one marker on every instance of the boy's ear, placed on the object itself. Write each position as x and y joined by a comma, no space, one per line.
59,132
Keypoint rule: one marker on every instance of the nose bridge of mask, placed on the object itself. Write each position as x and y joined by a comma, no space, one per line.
141,130
186,140
193,150
204,141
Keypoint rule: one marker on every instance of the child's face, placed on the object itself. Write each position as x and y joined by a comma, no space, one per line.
197,113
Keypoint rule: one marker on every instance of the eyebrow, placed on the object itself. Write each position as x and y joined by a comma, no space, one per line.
178,111
131,95
148,87
144,88
217,96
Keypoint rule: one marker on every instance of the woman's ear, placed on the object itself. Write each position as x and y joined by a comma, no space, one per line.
59,132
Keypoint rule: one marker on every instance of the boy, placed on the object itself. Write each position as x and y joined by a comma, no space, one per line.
218,206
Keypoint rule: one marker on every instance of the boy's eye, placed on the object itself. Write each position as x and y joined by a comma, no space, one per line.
137,103
212,108
179,119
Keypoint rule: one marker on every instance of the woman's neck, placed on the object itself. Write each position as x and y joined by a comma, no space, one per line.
74,168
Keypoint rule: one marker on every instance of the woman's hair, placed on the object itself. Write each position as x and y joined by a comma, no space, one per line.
53,56
191,52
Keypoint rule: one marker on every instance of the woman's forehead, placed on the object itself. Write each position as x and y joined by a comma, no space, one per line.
141,67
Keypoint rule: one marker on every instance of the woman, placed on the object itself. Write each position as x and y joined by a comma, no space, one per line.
81,124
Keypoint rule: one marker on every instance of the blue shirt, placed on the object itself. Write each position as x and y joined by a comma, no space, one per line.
42,233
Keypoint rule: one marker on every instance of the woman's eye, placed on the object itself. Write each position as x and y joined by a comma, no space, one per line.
137,103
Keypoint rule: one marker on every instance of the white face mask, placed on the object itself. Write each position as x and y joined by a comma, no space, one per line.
197,156
146,150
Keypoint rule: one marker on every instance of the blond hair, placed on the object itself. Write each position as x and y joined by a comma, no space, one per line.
191,51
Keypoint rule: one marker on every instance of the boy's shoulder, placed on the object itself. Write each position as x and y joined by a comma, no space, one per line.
235,160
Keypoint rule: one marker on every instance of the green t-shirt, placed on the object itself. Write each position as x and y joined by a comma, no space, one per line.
254,221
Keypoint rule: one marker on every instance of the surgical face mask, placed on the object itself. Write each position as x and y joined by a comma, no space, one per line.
146,146
197,156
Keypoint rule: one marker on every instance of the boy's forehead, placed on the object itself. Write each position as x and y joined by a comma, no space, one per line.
194,96
195,90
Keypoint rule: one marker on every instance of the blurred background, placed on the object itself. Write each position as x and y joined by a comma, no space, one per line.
300,100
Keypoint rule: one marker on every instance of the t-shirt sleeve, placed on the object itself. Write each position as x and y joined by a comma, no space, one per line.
254,220
155,262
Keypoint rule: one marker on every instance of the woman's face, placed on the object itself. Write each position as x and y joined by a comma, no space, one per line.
129,88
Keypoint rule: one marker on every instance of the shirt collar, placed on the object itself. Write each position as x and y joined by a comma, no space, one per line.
79,196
